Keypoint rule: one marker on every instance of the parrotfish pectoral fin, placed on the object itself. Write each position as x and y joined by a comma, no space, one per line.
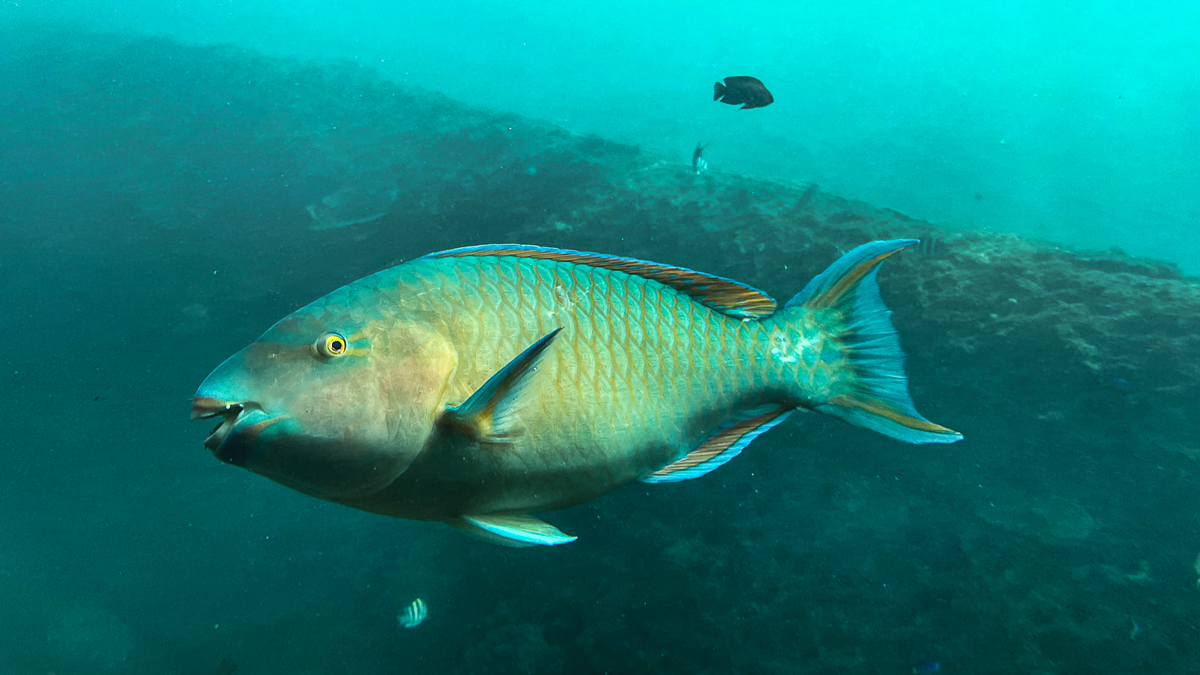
515,530
880,399
721,447
489,415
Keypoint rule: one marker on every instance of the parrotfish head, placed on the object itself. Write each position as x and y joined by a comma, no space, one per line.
335,400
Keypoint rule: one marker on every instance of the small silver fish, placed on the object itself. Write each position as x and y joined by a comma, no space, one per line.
699,164
413,615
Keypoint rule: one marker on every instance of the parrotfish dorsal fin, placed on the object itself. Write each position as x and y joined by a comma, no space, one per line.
721,447
489,415
724,295
515,530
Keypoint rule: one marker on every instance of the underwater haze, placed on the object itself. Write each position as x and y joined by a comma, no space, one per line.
1074,122
176,178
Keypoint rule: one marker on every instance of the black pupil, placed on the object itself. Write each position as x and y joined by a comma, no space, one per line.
335,346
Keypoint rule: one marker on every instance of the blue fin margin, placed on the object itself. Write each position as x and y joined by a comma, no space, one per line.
727,296
881,402
741,432
513,530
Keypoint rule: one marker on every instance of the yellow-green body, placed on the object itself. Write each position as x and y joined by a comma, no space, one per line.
640,375
415,392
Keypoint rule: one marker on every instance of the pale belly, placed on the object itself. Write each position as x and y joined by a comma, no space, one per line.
451,479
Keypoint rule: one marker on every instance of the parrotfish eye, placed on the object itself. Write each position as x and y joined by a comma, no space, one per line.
330,345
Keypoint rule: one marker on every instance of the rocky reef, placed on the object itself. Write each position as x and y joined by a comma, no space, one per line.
186,197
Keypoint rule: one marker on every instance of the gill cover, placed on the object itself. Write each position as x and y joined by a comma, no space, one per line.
335,406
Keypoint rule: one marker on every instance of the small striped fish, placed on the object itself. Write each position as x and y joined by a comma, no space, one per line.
479,385
413,615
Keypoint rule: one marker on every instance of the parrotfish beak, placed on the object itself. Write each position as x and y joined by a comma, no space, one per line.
232,440
313,424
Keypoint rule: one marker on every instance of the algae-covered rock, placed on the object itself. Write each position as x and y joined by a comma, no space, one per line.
1053,520
88,639
1069,510
40,632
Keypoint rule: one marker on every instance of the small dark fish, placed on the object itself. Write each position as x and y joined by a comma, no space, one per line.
699,165
743,89
927,668
226,667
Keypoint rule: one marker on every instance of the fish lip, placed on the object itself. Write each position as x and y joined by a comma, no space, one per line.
207,407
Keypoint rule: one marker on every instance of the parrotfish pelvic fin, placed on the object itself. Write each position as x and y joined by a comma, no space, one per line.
722,446
724,295
489,415
515,530
880,400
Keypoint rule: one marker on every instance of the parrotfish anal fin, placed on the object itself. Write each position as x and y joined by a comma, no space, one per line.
515,530
879,400
489,415
724,295
722,447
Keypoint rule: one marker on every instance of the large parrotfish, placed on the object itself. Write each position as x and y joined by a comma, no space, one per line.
480,385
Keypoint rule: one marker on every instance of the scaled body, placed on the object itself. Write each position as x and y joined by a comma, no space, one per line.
476,386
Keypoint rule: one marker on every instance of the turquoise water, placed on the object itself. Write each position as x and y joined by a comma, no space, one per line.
1074,122
173,181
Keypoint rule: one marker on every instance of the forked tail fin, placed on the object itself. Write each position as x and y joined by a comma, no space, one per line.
879,398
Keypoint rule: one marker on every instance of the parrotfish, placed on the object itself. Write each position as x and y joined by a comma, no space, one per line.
481,385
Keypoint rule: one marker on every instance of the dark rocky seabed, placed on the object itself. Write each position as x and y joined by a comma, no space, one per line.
154,217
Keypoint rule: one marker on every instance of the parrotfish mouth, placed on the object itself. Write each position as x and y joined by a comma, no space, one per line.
207,407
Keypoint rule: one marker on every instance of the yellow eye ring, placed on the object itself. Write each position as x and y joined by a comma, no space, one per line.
331,345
